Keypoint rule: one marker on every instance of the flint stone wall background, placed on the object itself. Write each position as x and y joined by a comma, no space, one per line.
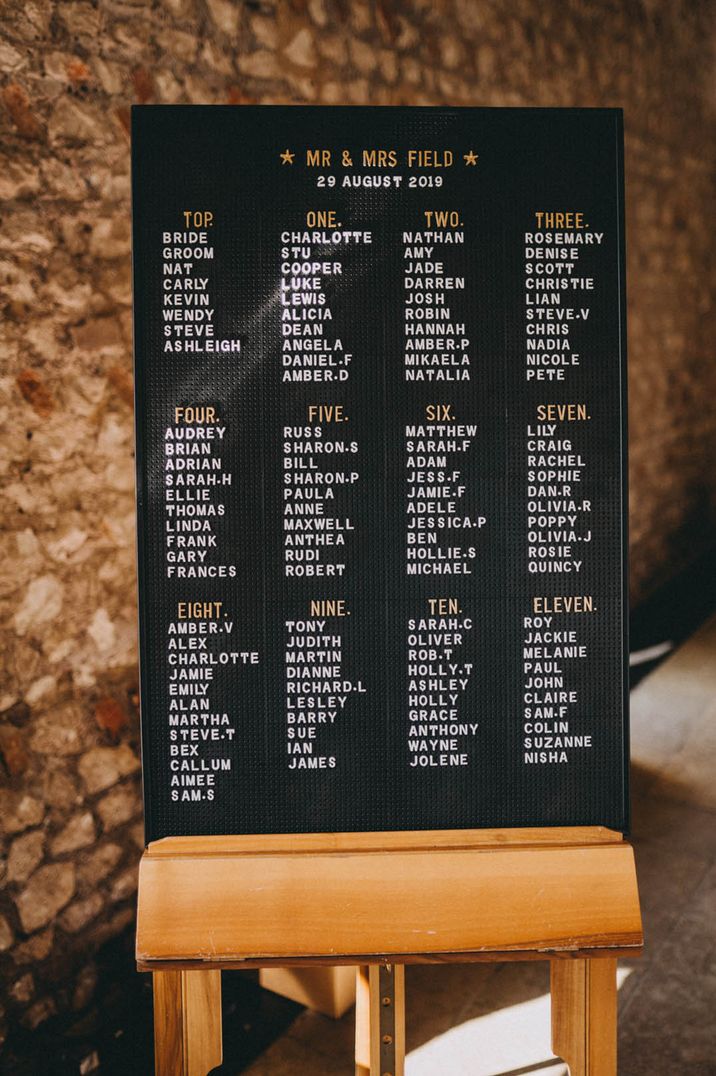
69,741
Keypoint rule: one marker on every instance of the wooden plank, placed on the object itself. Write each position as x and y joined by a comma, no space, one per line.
168,1023
329,990
273,843
584,1015
366,1050
187,1022
220,908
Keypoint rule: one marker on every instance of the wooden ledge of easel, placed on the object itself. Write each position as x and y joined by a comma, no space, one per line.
362,898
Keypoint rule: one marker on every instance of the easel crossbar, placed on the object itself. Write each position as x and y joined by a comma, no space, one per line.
218,900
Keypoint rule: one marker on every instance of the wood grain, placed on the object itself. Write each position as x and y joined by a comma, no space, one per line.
584,1015
362,1026
378,899
187,1022
523,894
382,841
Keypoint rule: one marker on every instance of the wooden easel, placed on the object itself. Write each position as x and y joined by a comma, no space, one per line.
383,900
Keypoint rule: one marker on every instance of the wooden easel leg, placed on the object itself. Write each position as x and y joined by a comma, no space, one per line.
362,1021
584,1015
380,1020
187,1022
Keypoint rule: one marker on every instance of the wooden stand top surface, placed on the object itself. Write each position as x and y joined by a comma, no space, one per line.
382,841
419,896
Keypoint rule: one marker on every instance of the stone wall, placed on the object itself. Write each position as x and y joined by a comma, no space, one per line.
70,798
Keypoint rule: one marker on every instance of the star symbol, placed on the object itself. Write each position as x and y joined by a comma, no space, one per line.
287,157
470,158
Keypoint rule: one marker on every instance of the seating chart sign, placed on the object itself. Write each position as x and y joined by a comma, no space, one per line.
380,368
